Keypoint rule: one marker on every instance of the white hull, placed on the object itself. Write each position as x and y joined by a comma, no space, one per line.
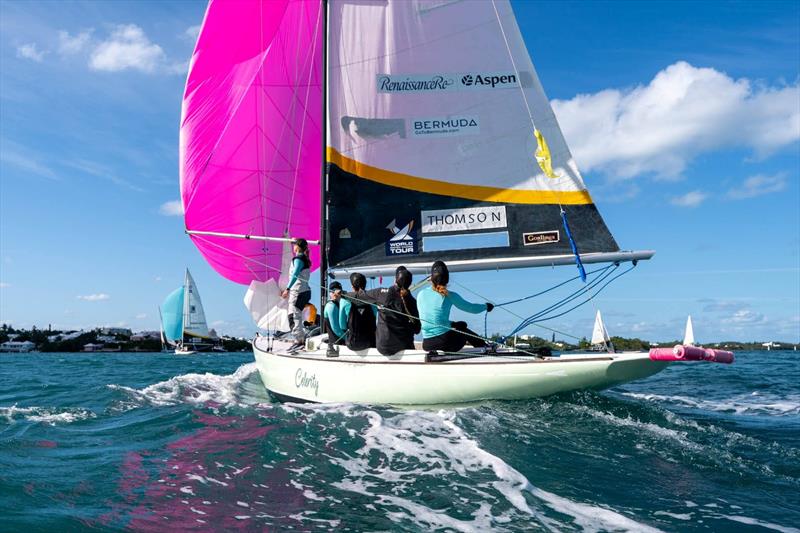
184,351
406,379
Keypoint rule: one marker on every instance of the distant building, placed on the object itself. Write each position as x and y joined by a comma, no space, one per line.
17,346
92,347
145,335
116,331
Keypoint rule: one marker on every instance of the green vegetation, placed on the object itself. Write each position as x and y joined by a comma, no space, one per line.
622,344
99,339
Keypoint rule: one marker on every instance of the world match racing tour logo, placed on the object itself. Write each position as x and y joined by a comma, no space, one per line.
462,81
403,241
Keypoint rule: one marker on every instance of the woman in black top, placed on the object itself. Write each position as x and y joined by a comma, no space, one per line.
398,317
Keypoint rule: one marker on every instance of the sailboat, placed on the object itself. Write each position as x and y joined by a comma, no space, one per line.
183,320
600,338
388,133
688,334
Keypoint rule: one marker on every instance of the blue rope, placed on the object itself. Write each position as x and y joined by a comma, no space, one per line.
541,315
564,301
574,246
588,299
553,287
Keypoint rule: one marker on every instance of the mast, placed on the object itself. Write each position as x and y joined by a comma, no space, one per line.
323,234
161,327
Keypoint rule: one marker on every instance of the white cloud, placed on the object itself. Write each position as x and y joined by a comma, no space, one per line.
94,297
171,208
127,48
68,44
723,306
18,157
684,111
157,278
745,317
30,51
192,32
690,199
758,185
4,285
141,316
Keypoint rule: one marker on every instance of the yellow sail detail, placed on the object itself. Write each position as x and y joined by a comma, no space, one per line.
543,155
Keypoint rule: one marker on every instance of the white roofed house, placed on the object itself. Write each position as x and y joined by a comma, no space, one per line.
17,346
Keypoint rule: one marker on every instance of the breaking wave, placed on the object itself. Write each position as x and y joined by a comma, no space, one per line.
234,389
754,403
45,415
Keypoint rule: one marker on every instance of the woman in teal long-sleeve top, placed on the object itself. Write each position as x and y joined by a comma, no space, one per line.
435,303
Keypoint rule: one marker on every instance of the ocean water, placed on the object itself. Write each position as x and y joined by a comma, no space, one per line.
155,442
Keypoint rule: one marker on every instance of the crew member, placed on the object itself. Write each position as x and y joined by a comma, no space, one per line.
336,333
298,291
398,317
357,315
435,303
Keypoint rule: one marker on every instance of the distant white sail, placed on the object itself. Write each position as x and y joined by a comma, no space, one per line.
194,318
688,335
599,334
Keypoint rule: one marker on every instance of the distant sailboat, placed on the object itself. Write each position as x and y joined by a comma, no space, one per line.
600,334
183,320
688,335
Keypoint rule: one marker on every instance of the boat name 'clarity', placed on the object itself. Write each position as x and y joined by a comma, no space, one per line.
301,379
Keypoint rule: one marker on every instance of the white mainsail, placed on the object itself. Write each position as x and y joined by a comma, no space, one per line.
194,317
688,334
599,334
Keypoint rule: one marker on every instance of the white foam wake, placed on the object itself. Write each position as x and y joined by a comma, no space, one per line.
45,415
196,389
414,446
746,404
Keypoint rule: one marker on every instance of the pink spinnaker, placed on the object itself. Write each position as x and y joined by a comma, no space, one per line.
251,137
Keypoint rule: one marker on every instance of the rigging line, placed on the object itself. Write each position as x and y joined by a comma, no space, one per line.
325,288
556,190
577,294
591,297
533,318
552,288
509,311
527,321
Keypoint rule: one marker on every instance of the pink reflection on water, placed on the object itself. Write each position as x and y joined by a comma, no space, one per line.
212,479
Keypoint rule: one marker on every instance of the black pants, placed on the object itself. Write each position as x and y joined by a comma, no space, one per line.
453,341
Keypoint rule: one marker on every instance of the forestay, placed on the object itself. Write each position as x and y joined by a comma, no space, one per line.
433,110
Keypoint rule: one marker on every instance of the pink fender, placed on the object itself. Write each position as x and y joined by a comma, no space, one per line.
719,356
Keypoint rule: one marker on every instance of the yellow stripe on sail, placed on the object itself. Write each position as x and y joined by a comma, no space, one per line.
543,155
457,190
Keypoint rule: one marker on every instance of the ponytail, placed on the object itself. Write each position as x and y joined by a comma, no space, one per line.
441,289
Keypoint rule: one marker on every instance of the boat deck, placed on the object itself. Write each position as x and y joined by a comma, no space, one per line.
318,352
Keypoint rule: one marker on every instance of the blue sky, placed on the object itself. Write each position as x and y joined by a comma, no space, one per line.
684,118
